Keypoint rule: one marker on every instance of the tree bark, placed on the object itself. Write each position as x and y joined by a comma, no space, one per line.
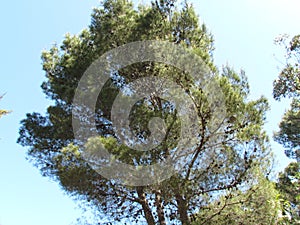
182,209
147,211
160,208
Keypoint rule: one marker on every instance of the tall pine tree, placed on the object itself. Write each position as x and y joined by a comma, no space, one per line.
221,169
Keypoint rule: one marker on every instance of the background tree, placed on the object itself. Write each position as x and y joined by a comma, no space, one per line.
216,171
288,85
289,186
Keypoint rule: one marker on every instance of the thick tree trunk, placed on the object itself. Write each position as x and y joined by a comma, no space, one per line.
160,208
182,209
145,206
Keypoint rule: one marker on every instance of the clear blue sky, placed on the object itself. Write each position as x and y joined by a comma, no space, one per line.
244,31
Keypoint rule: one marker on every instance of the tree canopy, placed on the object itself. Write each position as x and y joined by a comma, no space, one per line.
288,82
288,85
224,170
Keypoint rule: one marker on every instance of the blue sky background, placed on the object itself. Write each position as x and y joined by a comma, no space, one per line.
244,31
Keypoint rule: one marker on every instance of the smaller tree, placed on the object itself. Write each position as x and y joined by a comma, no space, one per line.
289,187
288,82
288,85
289,132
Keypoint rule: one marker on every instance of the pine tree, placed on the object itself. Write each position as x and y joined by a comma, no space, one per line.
288,85
221,161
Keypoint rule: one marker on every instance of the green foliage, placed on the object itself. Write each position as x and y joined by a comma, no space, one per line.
288,82
228,165
288,85
289,186
289,133
258,204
